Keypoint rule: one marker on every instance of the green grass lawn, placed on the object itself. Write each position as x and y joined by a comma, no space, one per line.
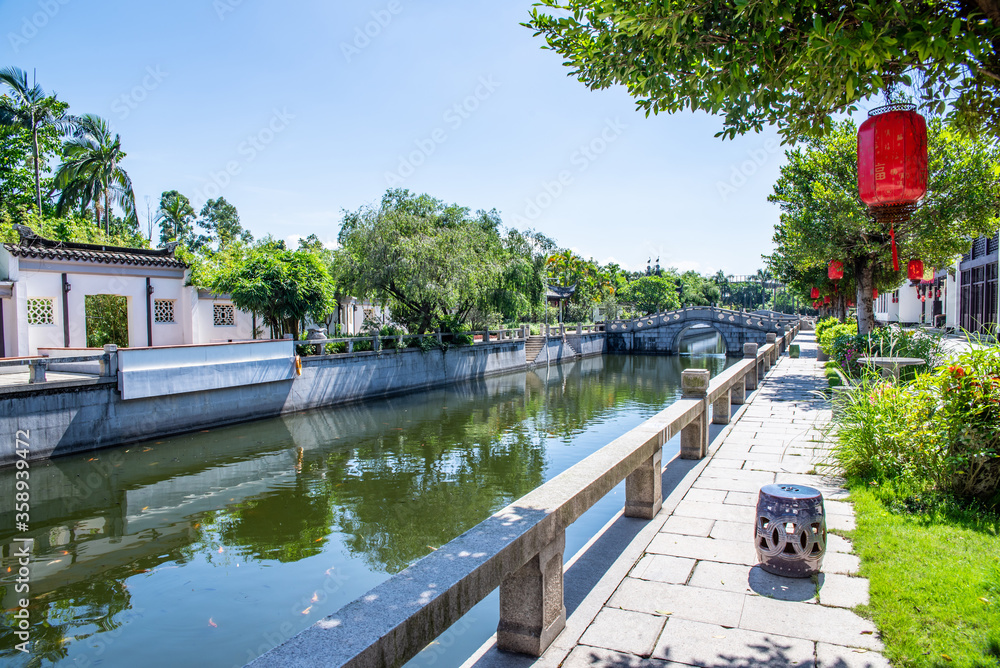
935,583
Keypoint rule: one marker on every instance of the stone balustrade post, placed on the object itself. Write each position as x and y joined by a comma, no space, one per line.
694,437
350,346
375,342
109,362
738,393
437,333
36,371
532,612
772,357
579,328
486,336
644,488
721,408
750,353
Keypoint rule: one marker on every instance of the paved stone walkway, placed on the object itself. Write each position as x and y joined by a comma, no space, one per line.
692,596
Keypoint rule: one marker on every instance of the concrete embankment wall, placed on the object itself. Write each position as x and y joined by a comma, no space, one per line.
585,345
74,418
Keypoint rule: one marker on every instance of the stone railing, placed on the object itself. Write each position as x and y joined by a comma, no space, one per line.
379,342
712,314
39,366
520,548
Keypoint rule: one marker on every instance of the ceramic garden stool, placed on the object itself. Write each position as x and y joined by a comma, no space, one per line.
790,535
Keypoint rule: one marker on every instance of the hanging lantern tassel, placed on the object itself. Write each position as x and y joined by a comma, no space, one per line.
895,254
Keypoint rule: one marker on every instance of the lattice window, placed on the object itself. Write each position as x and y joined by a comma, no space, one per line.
40,311
223,315
163,310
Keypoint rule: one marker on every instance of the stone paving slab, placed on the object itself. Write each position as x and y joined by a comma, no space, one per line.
660,598
697,644
693,594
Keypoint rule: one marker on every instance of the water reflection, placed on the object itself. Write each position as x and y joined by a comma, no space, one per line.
702,341
182,545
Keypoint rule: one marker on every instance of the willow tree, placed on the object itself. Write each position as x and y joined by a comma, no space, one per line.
794,64
431,262
823,219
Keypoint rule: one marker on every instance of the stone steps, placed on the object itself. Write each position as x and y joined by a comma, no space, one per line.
532,346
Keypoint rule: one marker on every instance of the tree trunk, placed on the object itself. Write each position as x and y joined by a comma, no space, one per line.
107,213
841,306
38,183
865,279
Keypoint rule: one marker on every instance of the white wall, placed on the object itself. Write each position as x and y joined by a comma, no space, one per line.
170,334
909,305
40,285
203,322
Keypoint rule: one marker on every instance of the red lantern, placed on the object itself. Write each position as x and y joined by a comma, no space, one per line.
814,294
836,270
850,304
892,164
874,294
892,157
826,300
915,270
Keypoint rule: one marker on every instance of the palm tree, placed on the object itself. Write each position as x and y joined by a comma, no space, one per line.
29,108
92,172
176,217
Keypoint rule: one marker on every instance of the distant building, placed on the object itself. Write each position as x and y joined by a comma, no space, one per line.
961,297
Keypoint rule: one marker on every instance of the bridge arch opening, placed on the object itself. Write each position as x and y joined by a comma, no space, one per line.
701,338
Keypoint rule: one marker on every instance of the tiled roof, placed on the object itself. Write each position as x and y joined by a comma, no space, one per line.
107,255
34,246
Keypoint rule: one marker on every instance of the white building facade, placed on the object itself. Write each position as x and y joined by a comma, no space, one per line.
44,285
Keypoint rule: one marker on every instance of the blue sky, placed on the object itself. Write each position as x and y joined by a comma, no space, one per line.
297,111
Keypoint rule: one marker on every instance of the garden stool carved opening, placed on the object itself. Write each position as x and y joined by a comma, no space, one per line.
790,536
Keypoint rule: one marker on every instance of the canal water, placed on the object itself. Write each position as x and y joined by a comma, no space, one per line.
207,549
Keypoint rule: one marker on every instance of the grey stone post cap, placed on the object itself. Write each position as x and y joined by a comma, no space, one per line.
749,350
771,336
110,348
694,382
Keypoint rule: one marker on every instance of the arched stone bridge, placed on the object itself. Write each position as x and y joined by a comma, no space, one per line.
662,333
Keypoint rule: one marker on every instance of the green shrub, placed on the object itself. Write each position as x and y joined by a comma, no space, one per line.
938,432
824,324
833,332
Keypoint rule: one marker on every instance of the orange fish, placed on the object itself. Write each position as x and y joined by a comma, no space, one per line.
212,624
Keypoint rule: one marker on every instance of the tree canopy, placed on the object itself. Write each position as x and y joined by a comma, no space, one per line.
651,294
280,285
431,262
794,64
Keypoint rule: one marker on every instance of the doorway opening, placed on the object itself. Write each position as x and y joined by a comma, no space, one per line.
107,320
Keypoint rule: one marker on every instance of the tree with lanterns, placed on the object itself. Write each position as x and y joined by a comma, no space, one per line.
794,64
823,218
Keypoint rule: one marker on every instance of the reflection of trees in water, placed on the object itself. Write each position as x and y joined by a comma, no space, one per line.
286,524
400,492
91,607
